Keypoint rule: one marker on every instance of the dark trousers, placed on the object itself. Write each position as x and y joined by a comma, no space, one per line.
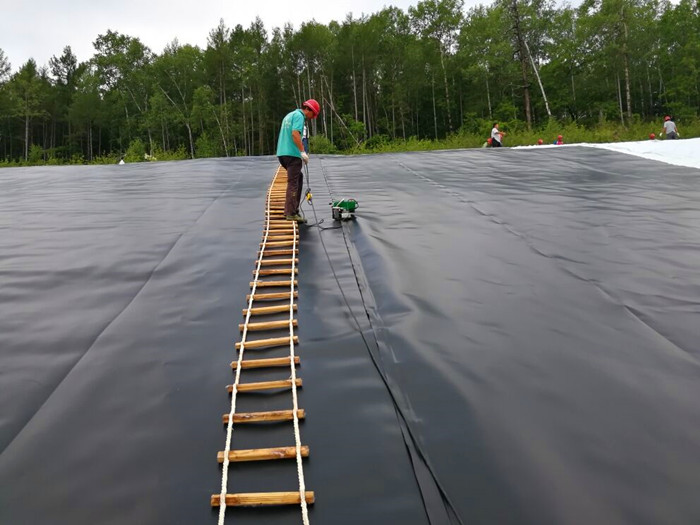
295,181
495,143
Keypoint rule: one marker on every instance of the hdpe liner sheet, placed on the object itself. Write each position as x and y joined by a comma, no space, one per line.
121,290
501,337
536,314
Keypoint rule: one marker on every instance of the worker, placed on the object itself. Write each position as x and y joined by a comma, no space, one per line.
559,141
496,136
291,154
305,137
670,128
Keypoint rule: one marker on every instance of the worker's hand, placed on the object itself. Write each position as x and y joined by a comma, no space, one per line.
305,157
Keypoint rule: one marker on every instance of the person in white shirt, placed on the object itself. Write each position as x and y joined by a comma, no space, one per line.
496,136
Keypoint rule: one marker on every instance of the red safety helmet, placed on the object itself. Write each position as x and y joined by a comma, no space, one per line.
540,141
667,118
652,136
560,137
313,106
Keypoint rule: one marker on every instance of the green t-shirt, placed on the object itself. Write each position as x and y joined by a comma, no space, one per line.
285,143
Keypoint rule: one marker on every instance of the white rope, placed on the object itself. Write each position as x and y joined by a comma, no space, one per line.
297,436
229,429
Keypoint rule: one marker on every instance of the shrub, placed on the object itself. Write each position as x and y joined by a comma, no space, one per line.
36,154
321,144
179,154
136,151
206,147
376,142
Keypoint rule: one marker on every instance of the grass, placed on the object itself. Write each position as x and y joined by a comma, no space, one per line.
572,133
516,135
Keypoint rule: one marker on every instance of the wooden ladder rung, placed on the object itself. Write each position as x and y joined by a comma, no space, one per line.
265,343
267,325
279,243
276,238
267,310
278,230
264,385
257,417
264,363
282,271
263,454
262,499
271,296
277,262
278,251
273,284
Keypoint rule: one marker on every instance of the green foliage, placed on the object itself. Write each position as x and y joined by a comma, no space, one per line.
351,133
506,110
136,152
206,146
106,159
376,142
178,154
321,144
36,154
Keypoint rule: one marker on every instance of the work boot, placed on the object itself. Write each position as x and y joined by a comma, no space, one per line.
295,217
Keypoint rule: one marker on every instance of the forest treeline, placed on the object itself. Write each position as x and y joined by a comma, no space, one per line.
437,71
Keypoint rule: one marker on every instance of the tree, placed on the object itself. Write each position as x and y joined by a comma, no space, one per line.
85,107
178,72
63,70
123,66
485,58
26,91
5,67
439,22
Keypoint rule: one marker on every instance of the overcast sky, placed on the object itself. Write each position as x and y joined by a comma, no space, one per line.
40,29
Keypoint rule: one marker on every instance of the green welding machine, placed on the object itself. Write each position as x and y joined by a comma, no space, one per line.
344,209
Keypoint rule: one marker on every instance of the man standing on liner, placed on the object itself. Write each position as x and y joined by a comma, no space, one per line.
496,136
291,154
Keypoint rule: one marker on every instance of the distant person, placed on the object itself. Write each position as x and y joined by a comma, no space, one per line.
670,128
305,137
559,141
496,136
291,154
540,142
